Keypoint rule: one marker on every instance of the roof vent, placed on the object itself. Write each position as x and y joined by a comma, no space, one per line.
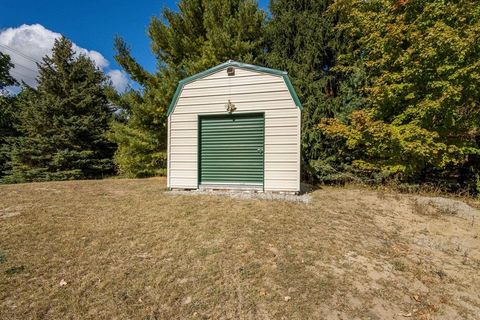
231,71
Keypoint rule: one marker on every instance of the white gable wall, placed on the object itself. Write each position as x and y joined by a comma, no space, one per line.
250,91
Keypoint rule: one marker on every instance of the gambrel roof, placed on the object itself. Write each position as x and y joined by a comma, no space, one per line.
236,64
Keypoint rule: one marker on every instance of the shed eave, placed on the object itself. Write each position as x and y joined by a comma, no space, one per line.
229,63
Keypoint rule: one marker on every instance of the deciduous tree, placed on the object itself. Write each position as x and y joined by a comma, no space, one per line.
422,98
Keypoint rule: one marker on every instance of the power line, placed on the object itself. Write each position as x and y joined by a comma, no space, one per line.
17,72
22,75
16,64
25,77
25,67
19,53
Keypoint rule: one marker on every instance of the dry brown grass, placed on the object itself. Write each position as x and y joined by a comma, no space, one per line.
124,249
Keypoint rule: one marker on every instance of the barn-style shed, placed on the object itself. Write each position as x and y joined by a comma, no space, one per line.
235,126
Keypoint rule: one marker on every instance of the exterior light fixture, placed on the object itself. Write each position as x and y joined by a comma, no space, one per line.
230,107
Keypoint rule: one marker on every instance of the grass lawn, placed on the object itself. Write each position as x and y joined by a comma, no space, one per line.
126,249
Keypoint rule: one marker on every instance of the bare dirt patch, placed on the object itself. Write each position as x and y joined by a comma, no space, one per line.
446,206
125,249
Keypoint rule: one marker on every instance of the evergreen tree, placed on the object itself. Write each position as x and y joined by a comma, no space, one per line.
63,121
303,40
200,35
7,110
5,78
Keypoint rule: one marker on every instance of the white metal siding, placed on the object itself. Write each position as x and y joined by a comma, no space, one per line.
168,152
250,91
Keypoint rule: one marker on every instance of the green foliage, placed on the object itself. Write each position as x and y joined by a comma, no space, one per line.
422,90
376,146
302,39
62,122
7,130
201,34
477,186
5,65
7,111
137,153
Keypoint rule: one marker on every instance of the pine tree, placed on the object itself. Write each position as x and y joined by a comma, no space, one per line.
5,78
200,35
63,122
303,40
7,110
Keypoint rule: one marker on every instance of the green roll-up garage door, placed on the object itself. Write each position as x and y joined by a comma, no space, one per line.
231,149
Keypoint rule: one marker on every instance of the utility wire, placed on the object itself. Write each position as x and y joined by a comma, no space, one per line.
19,53
19,74
25,67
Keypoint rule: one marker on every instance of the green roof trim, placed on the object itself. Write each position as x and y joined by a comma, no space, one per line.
231,63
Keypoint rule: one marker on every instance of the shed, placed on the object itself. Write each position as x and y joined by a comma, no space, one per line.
235,126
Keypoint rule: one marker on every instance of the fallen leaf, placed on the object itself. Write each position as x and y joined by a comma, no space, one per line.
63,283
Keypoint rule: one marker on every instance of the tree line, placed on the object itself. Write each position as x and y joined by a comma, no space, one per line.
390,89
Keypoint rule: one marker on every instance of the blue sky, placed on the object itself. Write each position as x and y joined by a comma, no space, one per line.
89,24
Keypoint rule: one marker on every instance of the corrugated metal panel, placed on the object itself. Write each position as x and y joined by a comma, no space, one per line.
184,133
280,94
233,81
183,183
182,173
185,157
286,158
281,185
279,108
215,108
184,149
285,139
282,174
168,151
231,149
248,88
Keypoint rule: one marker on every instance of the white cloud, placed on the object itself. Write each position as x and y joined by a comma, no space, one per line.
119,79
29,43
